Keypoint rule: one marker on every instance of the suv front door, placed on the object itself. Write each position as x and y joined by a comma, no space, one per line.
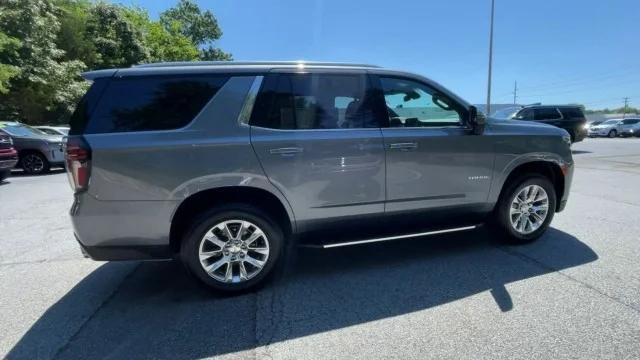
319,142
433,159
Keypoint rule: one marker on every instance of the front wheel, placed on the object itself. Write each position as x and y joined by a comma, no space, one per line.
525,209
613,133
232,248
34,163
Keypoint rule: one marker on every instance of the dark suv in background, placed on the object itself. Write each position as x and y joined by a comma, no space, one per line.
223,165
568,117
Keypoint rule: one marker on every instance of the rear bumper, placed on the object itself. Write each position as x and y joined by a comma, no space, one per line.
579,135
114,253
9,163
122,230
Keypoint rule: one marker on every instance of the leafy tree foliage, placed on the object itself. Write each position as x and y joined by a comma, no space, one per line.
46,83
200,27
45,44
8,50
163,44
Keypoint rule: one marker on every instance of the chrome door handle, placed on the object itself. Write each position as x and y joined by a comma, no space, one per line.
286,151
405,146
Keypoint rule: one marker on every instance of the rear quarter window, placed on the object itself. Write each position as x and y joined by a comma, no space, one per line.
150,103
572,113
546,114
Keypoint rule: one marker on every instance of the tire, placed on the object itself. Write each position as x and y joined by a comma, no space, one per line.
193,243
503,215
612,134
34,163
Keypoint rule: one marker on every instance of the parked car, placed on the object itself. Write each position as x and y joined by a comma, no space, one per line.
8,156
609,128
37,151
588,126
224,165
54,130
629,127
568,117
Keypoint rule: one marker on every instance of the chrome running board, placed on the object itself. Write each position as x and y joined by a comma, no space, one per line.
367,241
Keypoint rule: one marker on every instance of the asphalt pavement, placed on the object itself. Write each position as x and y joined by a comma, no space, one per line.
575,293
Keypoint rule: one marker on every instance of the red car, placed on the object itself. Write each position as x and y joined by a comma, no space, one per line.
8,156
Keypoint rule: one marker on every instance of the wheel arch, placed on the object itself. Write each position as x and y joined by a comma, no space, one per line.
549,169
203,200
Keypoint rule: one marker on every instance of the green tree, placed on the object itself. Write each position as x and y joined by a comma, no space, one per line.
117,42
8,50
200,27
163,45
72,35
46,84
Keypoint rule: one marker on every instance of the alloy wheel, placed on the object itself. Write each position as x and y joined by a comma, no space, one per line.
529,209
233,251
33,164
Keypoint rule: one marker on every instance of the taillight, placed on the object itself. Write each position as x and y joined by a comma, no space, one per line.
78,160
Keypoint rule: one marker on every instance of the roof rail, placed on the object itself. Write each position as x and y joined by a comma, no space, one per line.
232,63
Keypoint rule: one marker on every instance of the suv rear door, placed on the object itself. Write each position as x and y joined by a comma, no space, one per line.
318,139
433,159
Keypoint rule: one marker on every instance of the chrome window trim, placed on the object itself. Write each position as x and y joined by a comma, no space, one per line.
250,100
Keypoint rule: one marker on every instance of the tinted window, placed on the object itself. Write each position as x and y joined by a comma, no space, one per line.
315,101
546,114
571,113
630,121
524,114
85,107
413,104
152,103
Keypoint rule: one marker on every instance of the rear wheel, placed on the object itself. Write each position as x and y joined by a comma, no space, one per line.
34,163
232,248
525,209
612,133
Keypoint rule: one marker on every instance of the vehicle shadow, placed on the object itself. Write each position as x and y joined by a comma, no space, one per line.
159,312
578,152
21,173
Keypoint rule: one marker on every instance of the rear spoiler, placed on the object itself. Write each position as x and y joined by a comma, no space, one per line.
92,75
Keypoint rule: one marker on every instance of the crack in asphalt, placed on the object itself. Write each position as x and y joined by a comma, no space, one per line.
531,260
108,299
41,261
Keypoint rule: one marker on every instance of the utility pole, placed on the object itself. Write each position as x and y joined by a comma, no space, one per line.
490,60
626,103
515,91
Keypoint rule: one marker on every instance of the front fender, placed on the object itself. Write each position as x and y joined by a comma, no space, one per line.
506,163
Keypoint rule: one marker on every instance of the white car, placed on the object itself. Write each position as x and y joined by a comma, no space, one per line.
54,130
609,128
630,127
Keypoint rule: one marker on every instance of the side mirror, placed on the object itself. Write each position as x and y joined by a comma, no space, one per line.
477,120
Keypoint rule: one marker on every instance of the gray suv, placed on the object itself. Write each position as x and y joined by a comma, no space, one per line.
225,165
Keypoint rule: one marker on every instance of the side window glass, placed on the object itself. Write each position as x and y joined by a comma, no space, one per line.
315,101
412,104
152,103
546,114
526,114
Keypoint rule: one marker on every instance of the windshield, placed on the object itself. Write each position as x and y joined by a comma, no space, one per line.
505,113
20,130
610,122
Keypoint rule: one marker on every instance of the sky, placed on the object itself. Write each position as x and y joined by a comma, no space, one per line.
558,51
